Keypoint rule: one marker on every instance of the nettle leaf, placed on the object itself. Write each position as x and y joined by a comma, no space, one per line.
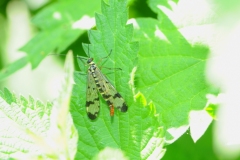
32,130
61,23
13,67
18,115
171,72
137,132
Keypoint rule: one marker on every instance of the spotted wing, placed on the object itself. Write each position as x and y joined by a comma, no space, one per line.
109,93
92,102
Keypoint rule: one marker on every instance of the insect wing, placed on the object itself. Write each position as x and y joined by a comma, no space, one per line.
92,102
109,93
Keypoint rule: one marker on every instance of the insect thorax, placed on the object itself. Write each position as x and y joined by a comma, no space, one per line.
92,67
90,60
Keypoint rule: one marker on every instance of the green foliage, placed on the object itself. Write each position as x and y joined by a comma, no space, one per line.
32,130
174,80
136,132
59,29
161,78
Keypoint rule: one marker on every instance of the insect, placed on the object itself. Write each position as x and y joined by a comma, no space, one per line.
97,82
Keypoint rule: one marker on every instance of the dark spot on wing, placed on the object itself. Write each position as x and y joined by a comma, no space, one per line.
98,85
88,103
100,90
92,116
117,95
124,107
105,96
108,102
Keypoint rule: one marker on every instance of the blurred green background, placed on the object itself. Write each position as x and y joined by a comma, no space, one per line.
16,29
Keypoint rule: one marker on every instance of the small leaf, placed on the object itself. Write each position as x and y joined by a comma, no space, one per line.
13,67
213,104
32,130
15,120
61,23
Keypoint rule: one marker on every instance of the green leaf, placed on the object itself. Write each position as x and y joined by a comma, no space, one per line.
61,24
137,132
213,105
13,67
154,4
16,116
32,130
171,73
